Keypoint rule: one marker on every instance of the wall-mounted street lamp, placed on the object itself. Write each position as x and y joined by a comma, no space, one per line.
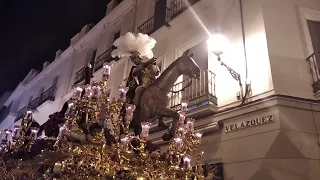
218,45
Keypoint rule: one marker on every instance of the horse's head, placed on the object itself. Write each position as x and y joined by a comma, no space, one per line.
187,66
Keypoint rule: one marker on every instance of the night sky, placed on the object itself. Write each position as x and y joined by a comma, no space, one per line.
31,31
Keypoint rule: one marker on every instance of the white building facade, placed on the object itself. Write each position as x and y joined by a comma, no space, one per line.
274,134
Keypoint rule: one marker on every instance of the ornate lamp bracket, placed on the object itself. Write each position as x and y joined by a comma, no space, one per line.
234,74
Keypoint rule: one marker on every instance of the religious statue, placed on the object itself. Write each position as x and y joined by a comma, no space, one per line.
141,75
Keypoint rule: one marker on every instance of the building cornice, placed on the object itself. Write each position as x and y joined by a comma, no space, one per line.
106,23
62,58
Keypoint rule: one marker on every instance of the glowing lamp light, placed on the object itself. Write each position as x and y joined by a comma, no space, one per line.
218,44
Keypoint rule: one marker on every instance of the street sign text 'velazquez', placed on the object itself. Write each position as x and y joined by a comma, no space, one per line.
249,123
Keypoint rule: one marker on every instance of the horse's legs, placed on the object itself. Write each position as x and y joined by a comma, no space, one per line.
167,112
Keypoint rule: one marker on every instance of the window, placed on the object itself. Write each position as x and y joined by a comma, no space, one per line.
314,30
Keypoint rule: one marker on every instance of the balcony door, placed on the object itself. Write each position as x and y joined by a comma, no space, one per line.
314,30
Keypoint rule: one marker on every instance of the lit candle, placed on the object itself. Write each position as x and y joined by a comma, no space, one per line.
107,71
178,143
123,90
88,92
182,118
145,130
95,92
198,135
190,124
184,106
7,132
34,133
129,110
16,131
28,115
181,131
125,140
77,93
186,162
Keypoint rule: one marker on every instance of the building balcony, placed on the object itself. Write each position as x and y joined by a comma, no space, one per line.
179,6
200,96
48,95
80,76
154,23
105,57
33,104
314,62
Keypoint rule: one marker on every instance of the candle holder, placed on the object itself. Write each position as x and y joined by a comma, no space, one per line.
122,90
77,93
190,124
145,130
124,143
16,132
106,71
186,162
128,117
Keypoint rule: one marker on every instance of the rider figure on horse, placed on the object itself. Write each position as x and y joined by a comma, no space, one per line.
141,75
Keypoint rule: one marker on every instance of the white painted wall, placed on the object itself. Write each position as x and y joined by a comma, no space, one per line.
191,28
288,44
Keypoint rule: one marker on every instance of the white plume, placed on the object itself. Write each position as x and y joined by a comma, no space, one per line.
130,42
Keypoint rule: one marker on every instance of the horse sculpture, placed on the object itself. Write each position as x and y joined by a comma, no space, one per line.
151,101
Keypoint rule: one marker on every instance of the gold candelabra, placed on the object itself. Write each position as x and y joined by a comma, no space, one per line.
95,143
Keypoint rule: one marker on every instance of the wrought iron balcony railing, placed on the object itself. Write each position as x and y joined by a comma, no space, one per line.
80,75
179,6
48,95
200,92
176,8
21,113
33,104
103,58
314,62
147,27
